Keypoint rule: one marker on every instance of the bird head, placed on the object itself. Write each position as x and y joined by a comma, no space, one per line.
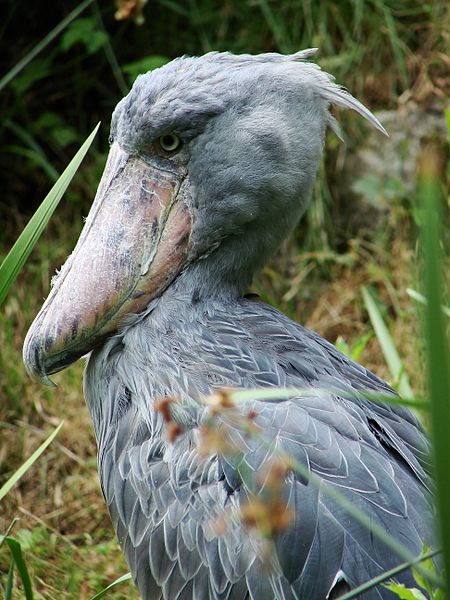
211,165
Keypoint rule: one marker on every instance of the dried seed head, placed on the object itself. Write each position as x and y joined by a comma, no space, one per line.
130,9
267,516
276,472
219,401
173,430
214,441
163,406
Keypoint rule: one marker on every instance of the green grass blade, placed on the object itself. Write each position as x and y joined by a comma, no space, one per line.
387,345
10,581
111,585
28,463
284,393
395,40
26,137
36,158
368,585
29,236
421,298
437,345
401,591
43,43
447,122
110,54
278,29
16,551
8,531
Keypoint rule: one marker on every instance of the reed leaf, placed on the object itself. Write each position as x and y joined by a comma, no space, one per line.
16,551
421,298
28,463
437,344
9,582
19,253
9,76
285,393
121,579
368,585
388,347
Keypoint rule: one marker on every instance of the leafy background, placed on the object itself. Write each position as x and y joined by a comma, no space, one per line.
392,54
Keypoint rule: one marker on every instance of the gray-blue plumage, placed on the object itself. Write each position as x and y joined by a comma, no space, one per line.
252,131
163,498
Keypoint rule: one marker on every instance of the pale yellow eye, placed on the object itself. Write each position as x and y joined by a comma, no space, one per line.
169,142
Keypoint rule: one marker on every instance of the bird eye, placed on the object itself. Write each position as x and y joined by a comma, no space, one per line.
169,142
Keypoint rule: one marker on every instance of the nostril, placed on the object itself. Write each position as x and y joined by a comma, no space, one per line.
49,339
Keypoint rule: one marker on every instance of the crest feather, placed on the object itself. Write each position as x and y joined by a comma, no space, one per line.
332,92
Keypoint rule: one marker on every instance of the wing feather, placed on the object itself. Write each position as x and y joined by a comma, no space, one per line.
165,500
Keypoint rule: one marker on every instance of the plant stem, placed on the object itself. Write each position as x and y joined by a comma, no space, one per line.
43,43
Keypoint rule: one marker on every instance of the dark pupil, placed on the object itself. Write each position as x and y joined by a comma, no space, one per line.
169,141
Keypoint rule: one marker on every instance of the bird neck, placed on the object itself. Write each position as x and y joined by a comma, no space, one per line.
224,275
202,282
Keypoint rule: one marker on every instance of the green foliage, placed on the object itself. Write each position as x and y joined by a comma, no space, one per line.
148,63
405,593
10,582
32,150
9,269
84,31
21,250
421,298
434,592
57,130
424,559
28,463
353,351
40,69
401,380
16,553
14,545
438,359
112,585
373,188
42,44
53,560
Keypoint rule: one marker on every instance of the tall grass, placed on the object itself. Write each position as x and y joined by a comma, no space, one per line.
438,363
43,43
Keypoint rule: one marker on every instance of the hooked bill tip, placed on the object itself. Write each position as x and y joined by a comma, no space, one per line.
45,379
32,358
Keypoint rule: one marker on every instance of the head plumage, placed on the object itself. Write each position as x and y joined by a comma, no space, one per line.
186,92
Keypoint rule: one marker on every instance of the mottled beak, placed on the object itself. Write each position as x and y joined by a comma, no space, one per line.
134,243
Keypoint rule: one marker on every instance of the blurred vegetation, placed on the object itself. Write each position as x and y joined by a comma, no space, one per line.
392,54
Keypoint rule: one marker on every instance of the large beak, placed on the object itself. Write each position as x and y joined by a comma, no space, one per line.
134,243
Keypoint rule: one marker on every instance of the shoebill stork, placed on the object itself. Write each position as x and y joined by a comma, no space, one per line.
211,165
